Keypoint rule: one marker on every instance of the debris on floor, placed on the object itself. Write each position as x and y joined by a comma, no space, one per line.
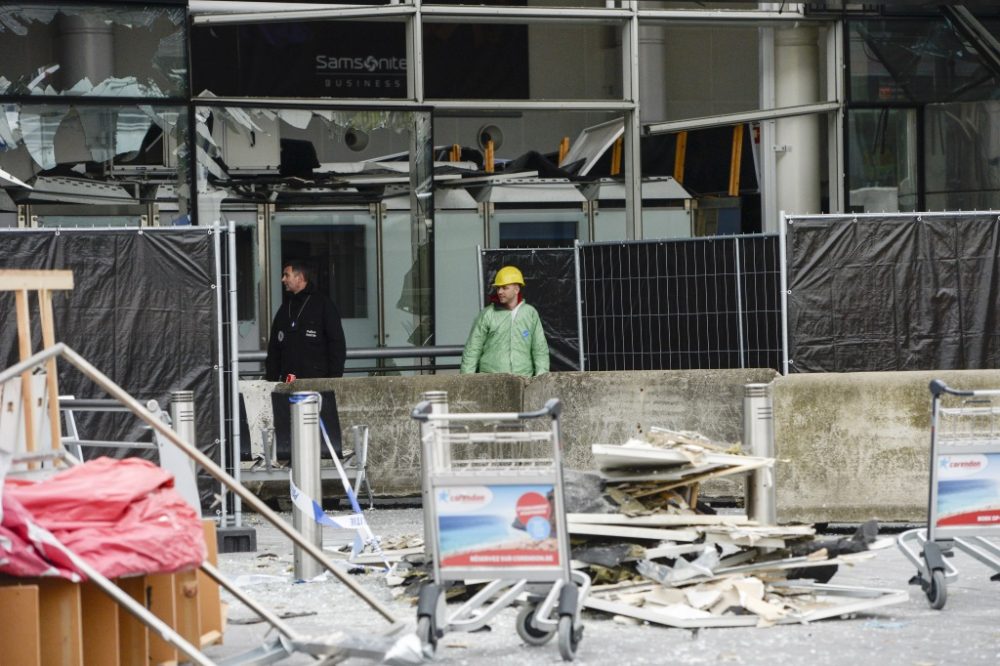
657,553
660,555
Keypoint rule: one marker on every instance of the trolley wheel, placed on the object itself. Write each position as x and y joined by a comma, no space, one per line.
427,635
569,637
937,590
528,633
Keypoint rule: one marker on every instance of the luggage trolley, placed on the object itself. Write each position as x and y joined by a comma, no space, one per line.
500,518
964,504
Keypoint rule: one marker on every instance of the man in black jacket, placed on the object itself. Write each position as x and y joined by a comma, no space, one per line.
307,341
307,337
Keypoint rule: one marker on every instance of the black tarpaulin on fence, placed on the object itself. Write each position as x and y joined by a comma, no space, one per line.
550,286
899,292
142,311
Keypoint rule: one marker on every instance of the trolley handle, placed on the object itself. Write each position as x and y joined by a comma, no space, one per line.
422,412
939,388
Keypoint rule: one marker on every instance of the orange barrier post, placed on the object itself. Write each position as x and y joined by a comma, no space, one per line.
680,152
563,149
734,163
616,157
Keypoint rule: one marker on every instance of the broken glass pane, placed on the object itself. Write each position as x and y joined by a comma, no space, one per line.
79,154
81,49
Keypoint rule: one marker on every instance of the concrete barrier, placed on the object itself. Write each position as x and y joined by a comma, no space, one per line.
856,446
611,407
851,446
604,407
384,405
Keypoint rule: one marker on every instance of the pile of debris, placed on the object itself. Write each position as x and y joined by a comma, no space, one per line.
658,554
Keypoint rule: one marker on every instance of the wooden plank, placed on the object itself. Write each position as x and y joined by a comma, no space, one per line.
51,377
61,622
101,641
698,478
24,347
12,279
610,456
133,637
186,604
656,520
209,600
633,532
163,604
20,634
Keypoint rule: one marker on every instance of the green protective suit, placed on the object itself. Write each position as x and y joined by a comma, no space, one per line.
499,342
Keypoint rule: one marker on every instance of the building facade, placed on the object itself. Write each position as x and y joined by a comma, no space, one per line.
388,140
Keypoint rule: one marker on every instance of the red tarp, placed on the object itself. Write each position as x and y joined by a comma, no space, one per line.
120,516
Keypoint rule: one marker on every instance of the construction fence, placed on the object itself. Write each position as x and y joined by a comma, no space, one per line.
828,293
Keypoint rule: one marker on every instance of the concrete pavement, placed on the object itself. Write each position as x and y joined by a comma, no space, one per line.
966,631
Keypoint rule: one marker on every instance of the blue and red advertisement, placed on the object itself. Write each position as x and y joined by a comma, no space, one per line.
497,526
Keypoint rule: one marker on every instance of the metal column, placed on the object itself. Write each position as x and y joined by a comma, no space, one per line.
305,476
758,439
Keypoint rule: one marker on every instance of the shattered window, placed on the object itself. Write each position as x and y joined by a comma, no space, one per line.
101,160
883,160
323,173
917,61
93,50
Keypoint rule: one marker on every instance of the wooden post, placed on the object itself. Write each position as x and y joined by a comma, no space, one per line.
680,152
21,282
24,348
51,378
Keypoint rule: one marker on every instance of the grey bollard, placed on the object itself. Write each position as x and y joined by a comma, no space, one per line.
182,416
172,458
430,460
758,440
305,475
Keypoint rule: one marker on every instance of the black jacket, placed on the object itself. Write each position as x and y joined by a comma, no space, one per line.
307,338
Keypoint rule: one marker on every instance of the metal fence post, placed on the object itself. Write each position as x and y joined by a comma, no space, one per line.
431,459
758,439
305,475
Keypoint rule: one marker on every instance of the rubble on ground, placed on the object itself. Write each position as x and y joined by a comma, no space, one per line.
656,553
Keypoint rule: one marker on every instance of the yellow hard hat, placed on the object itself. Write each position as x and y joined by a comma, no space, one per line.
508,275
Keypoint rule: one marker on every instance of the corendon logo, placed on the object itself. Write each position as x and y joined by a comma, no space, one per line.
952,467
468,498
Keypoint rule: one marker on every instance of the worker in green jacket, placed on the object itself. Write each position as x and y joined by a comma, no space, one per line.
507,335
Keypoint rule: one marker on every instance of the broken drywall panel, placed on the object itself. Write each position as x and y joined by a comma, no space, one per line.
624,532
660,519
638,454
824,601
